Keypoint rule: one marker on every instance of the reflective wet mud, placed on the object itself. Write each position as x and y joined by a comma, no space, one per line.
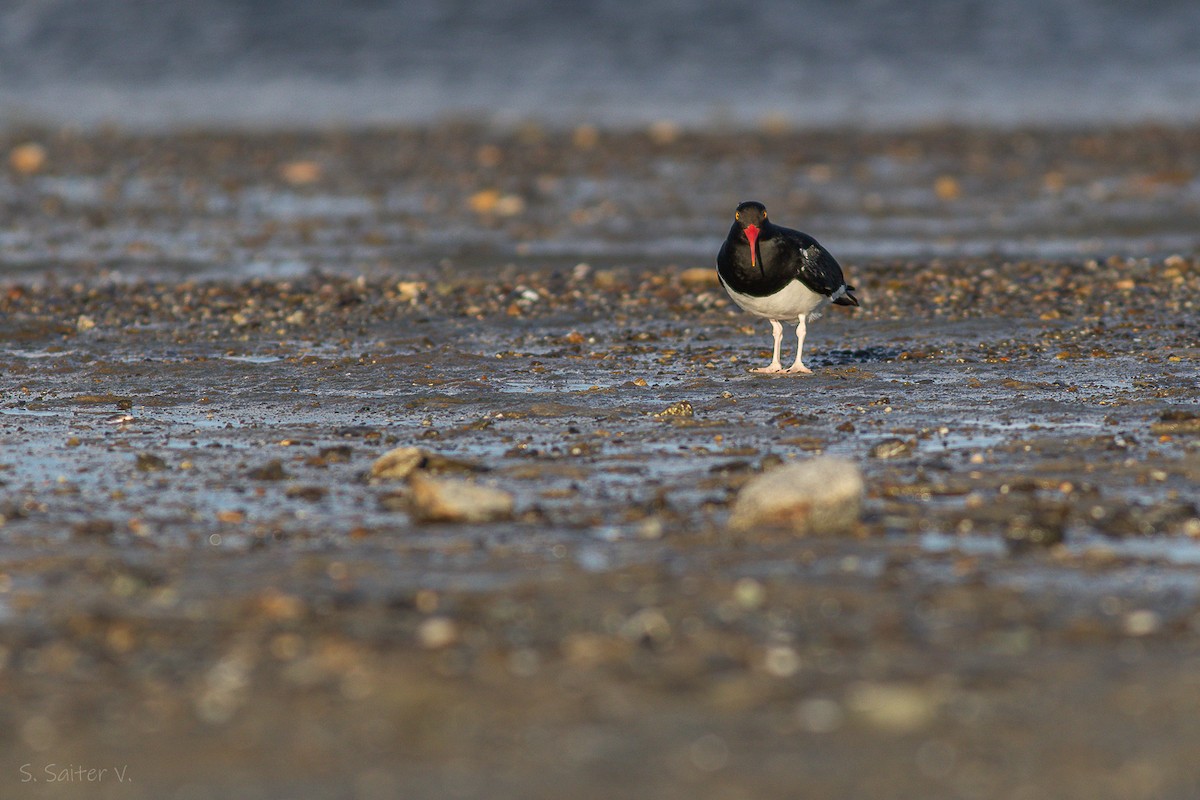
200,579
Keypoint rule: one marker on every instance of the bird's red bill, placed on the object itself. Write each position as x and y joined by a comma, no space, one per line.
752,235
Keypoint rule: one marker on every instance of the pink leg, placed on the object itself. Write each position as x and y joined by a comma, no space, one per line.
777,333
798,366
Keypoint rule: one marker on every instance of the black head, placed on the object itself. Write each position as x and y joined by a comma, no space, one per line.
752,217
751,213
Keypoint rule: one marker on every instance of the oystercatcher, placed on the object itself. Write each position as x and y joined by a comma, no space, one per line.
781,275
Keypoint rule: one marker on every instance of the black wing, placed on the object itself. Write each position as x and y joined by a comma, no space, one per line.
815,266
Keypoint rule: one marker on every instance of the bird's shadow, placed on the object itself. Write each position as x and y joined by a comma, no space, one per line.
862,355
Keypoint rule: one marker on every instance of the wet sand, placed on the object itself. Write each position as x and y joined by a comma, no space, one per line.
209,339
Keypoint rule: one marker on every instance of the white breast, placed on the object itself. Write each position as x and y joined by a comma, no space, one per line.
789,304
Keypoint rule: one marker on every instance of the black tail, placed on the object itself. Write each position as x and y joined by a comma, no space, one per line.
847,299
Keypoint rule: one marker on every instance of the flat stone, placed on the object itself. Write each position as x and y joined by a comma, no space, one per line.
402,462
893,448
398,464
822,495
454,500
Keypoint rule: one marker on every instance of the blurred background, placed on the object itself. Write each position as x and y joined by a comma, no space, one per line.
146,64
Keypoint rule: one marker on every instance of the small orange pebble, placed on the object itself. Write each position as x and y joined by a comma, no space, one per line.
946,187
300,173
27,158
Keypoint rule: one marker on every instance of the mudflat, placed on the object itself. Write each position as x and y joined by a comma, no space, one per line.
209,589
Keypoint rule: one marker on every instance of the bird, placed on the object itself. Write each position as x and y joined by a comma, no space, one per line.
781,275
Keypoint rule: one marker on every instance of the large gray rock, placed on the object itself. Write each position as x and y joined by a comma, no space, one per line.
822,495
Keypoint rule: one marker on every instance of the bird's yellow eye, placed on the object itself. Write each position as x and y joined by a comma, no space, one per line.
737,215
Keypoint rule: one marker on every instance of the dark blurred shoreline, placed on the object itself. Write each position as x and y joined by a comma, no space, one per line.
812,63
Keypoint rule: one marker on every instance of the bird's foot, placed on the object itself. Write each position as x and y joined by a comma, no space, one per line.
798,368
771,368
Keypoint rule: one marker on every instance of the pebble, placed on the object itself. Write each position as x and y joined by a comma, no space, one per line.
892,448
699,278
436,633
300,173
681,409
650,528
27,158
455,500
895,708
280,606
490,201
410,291
398,464
484,201
403,462
148,462
749,593
586,137
310,493
821,495
1141,622
947,187
271,471
781,661
664,132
